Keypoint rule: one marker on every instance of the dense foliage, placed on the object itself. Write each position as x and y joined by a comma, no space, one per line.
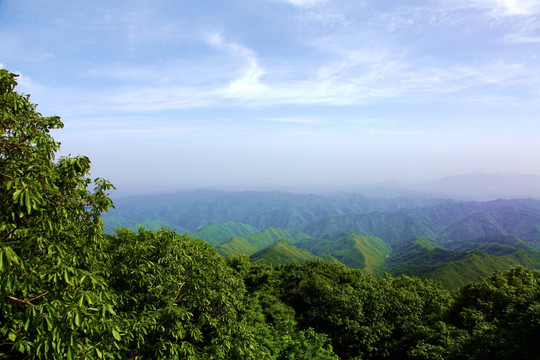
54,298
68,291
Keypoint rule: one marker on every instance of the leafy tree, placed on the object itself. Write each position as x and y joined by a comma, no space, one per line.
273,321
367,318
501,315
177,299
414,314
54,302
331,299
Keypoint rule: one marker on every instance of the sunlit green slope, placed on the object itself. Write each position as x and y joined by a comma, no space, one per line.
470,261
216,234
356,251
250,244
281,253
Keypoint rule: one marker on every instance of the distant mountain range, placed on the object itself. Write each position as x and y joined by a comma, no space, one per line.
447,222
452,241
189,211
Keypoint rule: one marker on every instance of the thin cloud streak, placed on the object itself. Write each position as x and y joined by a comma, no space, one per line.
336,86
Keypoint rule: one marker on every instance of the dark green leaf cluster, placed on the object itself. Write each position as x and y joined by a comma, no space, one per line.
54,300
400,317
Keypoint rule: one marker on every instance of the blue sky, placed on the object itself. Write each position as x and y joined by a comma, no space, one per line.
170,95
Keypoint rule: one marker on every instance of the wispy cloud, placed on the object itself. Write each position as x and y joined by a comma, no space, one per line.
509,7
248,82
355,80
496,7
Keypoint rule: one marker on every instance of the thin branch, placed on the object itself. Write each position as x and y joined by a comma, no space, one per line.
176,300
25,302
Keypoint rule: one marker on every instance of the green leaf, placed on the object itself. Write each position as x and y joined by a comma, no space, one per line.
67,277
49,323
27,203
116,334
77,318
17,194
27,324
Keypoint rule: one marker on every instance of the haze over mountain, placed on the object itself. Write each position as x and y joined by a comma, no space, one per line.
476,186
484,186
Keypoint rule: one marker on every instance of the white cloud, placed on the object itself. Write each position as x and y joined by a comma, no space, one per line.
501,7
248,82
336,85
158,98
26,85
520,7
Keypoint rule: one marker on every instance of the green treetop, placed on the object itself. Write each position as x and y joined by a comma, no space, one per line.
54,301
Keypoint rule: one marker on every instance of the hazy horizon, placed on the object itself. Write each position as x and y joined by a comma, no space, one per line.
283,93
467,187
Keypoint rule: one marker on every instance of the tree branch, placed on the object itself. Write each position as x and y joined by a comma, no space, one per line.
25,302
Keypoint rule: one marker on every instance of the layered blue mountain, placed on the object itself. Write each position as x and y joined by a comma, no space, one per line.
446,222
191,210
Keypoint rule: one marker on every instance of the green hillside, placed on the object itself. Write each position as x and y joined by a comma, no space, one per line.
454,274
282,253
252,243
356,251
468,261
421,250
216,234
489,244
237,246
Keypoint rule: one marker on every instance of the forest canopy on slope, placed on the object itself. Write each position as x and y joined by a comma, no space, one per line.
70,291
